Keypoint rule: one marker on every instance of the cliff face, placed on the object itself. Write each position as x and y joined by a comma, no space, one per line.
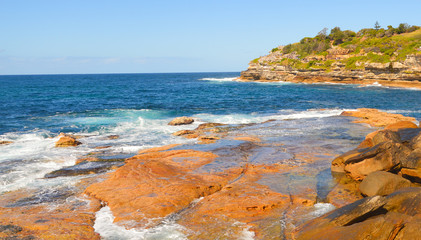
270,67
365,57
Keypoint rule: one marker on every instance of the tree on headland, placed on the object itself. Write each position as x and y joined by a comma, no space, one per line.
323,33
377,25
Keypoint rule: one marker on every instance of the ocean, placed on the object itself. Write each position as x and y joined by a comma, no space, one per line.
34,109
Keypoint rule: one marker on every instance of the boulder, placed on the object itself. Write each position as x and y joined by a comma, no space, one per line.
382,183
338,164
401,124
181,121
67,141
385,156
379,136
413,160
409,135
416,141
393,217
412,174
386,135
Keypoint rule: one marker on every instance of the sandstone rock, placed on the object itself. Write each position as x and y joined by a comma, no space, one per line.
113,137
401,124
385,156
181,121
370,218
207,139
382,183
416,141
386,135
408,136
183,132
85,167
376,118
209,125
67,141
413,160
338,164
412,174
156,183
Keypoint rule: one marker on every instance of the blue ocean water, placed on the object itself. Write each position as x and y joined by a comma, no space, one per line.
75,103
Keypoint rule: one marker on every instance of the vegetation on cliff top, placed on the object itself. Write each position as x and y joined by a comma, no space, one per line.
377,45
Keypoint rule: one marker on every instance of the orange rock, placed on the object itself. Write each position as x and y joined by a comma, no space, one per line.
183,132
5,142
67,141
376,118
158,149
400,125
154,184
248,139
72,218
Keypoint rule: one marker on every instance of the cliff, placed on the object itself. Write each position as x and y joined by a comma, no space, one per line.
365,57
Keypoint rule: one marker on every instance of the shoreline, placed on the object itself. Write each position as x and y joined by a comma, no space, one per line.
380,83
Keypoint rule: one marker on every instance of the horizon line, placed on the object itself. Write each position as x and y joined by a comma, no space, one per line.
44,74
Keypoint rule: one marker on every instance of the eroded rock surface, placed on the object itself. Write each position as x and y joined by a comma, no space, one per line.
181,121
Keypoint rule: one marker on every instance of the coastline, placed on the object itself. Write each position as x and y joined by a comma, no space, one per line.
320,80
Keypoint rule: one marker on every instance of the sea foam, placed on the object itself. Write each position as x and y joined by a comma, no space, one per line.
110,231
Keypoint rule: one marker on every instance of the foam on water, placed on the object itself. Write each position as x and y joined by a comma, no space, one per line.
321,208
109,231
227,79
33,154
256,118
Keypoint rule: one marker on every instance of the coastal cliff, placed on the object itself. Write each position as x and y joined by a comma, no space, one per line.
383,56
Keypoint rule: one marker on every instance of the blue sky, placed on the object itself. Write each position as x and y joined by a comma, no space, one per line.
101,36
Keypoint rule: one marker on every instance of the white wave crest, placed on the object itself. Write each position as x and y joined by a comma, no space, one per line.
227,79
256,118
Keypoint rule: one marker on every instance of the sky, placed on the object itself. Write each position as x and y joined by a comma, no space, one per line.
125,36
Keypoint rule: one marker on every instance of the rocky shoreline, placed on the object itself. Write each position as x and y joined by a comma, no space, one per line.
269,68
237,183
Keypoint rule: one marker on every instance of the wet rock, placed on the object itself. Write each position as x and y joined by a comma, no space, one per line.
181,121
102,147
156,183
113,137
67,141
207,139
382,183
5,142
209,125
385,156
400,125
10,229
183,132
85,167
45,196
